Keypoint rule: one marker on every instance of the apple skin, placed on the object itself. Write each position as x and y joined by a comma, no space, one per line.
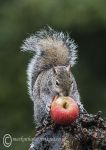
64,110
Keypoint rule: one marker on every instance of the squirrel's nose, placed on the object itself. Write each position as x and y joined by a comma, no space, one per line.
61,94
64,93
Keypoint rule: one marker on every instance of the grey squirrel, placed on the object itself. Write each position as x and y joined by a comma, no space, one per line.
49,71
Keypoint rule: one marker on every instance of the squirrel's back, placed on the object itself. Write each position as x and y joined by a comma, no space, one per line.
51,49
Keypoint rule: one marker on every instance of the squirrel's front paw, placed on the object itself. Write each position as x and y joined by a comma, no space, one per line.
48,108
45,122
47,115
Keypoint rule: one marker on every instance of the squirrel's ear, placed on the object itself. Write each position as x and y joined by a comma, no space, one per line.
68,68
54,70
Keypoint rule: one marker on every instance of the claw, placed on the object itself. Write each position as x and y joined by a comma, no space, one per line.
48,108
45,122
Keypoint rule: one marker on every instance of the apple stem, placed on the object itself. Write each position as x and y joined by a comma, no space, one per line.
65,105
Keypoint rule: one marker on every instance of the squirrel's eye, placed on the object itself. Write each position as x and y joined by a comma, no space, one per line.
57,82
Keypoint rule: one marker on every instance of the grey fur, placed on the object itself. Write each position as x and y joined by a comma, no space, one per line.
54,51
32,43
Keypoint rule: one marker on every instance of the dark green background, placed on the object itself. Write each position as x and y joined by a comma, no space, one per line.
85,20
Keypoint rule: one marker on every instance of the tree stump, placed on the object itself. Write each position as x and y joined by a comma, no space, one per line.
88,132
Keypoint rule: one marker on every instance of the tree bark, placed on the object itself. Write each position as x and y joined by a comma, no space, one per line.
88,132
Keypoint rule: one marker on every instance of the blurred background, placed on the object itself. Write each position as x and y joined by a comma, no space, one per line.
85,20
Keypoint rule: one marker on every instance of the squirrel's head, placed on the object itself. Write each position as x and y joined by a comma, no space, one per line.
62,80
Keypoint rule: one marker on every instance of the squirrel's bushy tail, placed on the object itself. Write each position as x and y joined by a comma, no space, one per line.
56,47
51,48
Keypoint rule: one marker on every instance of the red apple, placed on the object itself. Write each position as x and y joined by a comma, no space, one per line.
64,110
